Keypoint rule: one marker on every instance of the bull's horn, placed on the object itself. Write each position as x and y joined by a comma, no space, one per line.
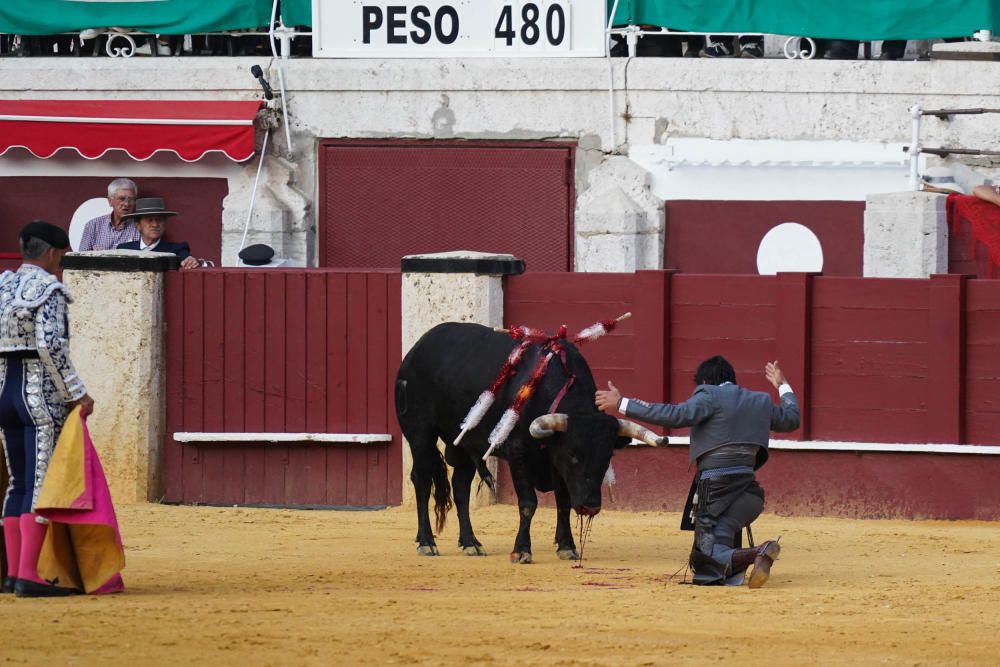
546,425
633,430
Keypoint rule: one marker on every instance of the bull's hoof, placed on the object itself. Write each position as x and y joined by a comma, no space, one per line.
476,550
520,557
425,550
568,554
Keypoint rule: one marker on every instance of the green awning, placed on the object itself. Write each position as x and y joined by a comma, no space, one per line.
167,17
843,19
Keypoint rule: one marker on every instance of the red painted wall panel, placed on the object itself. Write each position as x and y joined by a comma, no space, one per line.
723,236
282,351
982,369
869,360
548,300
382,200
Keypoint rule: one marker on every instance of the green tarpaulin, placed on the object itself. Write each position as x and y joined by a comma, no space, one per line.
843,19
168,17
296,12
837,19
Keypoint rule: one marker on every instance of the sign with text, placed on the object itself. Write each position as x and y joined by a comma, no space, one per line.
457,28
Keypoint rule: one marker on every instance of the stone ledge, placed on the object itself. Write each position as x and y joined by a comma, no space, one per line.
122,260
463,262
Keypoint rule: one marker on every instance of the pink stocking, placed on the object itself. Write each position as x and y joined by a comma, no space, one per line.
32,537
12,542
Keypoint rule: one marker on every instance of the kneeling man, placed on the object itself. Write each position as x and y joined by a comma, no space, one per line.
730,429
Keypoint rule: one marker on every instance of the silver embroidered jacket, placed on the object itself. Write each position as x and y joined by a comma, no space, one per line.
34,316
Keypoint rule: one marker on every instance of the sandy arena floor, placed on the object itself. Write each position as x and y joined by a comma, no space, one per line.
278,587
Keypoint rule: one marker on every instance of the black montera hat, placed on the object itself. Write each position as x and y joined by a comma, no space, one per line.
257,254
149,206
39,229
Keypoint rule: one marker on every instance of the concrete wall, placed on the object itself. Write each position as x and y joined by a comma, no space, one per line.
117,347
653,99
906,235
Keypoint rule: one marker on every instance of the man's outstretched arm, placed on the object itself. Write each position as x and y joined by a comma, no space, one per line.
785,416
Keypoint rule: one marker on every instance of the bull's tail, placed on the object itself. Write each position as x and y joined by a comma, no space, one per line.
485,477
401,403
442,492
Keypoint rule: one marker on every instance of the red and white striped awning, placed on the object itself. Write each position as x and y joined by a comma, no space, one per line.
140,128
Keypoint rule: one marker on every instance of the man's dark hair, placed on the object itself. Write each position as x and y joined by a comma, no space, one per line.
715,370
33,248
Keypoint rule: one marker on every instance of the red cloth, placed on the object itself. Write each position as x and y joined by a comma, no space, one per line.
983,218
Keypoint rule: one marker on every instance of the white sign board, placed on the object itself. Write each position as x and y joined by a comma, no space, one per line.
457,28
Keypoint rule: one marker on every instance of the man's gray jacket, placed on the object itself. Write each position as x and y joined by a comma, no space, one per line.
724,414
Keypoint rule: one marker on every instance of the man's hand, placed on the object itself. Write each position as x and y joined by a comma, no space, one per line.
607,401
86,404
774,374
190,262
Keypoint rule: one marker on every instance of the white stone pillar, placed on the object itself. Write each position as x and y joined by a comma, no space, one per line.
460,286
117,346
906,235
619,221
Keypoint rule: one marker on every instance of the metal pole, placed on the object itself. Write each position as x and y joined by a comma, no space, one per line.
611,76
281,79
915,147
253,194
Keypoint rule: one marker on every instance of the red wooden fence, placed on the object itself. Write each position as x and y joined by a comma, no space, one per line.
872,360
275,350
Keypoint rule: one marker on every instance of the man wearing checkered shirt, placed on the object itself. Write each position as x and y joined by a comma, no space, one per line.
105,232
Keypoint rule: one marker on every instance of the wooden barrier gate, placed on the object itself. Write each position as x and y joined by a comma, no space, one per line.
293,355
906,365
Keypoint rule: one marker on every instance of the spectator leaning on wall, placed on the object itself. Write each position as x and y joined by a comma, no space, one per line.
151,216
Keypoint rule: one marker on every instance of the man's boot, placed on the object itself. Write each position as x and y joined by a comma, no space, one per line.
767,553
742,559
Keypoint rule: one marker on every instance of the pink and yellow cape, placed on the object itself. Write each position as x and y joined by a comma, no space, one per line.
83,546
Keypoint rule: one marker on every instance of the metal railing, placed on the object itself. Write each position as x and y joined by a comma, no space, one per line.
916,148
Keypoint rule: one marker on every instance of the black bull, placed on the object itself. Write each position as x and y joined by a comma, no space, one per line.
567,452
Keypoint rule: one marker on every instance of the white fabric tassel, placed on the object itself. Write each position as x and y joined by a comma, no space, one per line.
502,430
609,476
476,414
593,332
609,481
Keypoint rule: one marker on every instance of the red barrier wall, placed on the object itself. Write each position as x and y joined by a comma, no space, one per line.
871,360
274,350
